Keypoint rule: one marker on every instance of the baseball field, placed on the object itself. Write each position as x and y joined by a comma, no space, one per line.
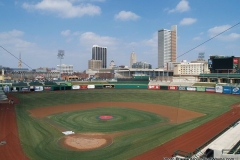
110,123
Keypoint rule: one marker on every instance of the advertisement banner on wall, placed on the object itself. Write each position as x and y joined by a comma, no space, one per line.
47,88
108,86
182,88
235,63
83,87
153,87
75,87
227,89
31,88
219,89
25,89
191,88
91,86
210,89
172,87
235,90
15,89
164,87
6,88
210,63
201,89
38,88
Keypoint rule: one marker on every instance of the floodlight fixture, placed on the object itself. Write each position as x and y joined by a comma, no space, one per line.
60,56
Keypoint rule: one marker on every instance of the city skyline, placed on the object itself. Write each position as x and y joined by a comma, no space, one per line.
37,29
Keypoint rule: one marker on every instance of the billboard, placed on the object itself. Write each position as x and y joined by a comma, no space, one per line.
222,63
210,89
75,87
153,87
182,88
173,87
235,63
201,89
31,88
25,89
15,89
83,87
219,89
6,88
38,88
209,63
47,88
235,90
191,89
91,86
227,89
164,87
108,86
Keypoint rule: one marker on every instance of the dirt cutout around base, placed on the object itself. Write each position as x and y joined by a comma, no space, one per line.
92,141
87,141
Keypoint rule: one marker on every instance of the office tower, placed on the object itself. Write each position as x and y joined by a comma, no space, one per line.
167,46
100,53
133,59
94,64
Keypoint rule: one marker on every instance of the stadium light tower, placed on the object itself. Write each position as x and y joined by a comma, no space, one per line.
60,56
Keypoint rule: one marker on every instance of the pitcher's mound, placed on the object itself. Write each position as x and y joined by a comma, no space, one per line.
88,141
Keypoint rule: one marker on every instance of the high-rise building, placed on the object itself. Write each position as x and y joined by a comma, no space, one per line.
133,59
94,64
142,65
167,46
100,53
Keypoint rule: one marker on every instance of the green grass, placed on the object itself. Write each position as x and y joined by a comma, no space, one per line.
39,138
89,121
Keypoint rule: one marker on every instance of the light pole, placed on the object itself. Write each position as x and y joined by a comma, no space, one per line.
60,56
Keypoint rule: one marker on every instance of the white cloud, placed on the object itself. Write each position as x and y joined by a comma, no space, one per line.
218,29
181,7
188,21
197,38
126,16
151,42
69,35
225,37
89,38
87,0
64,8
66,33
13,39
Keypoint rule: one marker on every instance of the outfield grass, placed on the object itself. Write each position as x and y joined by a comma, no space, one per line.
39,138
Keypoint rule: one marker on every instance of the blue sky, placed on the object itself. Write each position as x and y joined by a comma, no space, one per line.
39,28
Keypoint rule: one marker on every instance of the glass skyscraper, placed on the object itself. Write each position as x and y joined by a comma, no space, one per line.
100,53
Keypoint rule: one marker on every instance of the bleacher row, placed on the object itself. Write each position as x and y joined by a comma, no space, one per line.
33,83
3,96
235,149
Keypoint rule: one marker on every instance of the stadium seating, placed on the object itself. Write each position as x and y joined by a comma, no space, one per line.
234,149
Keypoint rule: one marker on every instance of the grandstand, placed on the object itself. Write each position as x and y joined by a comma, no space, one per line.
226,145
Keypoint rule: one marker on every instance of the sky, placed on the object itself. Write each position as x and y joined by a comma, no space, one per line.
38,29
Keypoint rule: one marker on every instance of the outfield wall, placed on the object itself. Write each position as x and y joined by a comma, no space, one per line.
68,86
